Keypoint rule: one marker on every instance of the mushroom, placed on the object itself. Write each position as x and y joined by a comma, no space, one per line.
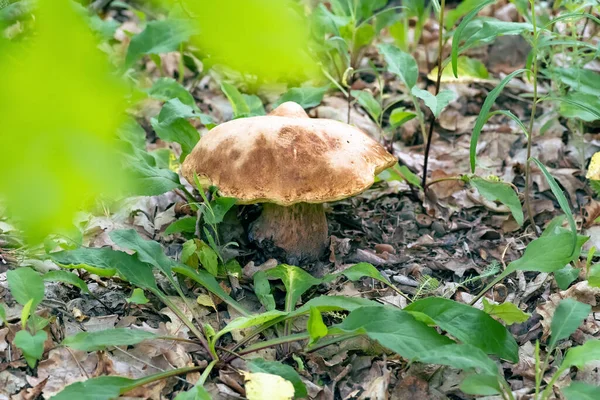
291,164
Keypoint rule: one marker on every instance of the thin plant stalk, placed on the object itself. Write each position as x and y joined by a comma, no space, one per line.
437,90
531,119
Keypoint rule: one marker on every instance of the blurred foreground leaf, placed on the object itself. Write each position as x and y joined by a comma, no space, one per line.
60,106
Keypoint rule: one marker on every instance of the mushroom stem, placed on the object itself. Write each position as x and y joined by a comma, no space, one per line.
300,230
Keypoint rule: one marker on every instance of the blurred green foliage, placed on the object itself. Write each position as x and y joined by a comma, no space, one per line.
269,41
60,107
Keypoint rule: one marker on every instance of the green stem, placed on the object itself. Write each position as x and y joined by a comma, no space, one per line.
324,343
507,389
420,116
437,91
183,319
157,377
531,119
181,64
206,372
491,285
274,342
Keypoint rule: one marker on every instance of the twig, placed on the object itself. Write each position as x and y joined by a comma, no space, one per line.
437,90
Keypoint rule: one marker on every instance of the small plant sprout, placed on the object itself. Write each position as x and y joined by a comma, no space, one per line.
291,164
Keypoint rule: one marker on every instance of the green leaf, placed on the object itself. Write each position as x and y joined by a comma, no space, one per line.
469,70
296,282
307,97
594,276
315,325
581,391
137,297
209,259
479,384
333,303
579,79
581,355
25,284
150,180
31,346
435,103
214,214
562,201
507,312
500,191
66,277
210,283
250,321
105,259
394,329
240,103
363,36
483,114
185,224
359,271
567,318
457,38
159,37
484,30
165,89
580,105
100,340
398,117
132,132
147,251
262,289
188,253
400,63
25,313
100,388
565,276
277,368
466,324
171,124
3,314
547,253
460,356
195,393
368,102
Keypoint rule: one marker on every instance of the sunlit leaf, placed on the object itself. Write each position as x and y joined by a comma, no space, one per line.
507,312
261,386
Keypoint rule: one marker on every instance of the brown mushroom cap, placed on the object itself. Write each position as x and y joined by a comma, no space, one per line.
287,158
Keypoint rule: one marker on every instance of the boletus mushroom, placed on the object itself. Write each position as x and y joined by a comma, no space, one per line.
291,164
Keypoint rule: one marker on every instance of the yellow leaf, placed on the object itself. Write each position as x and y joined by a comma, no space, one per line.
261,386
206,301
593,172
60,105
